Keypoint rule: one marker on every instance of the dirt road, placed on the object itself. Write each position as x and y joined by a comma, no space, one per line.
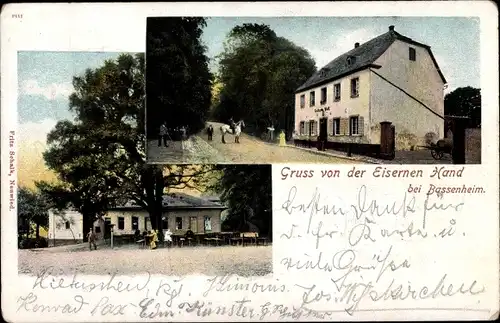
251,150
243,261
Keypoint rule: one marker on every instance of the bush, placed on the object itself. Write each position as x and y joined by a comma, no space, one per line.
33,243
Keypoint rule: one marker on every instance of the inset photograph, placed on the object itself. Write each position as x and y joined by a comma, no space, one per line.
271,90
210,220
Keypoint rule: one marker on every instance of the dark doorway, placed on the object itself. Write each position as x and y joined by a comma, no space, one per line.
107,228
323,128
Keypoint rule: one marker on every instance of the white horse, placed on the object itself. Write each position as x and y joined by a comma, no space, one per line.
224,129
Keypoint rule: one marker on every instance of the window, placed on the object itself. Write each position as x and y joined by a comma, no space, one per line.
135,223
323,95
178,223
351,60
413,54
164,222
354,125
67,224
97,229
355,87
336,91
302,101
336,126
302,128
312,99
312,128
208,224
121,223
192,225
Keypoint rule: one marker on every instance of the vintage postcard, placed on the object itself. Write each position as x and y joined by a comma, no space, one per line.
250,161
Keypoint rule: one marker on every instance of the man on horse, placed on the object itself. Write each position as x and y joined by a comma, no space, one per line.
232,125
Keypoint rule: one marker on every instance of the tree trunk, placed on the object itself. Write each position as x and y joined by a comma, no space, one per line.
153,182
37,231
158,203
87,223
28,226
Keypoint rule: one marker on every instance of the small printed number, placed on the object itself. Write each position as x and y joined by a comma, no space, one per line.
17,15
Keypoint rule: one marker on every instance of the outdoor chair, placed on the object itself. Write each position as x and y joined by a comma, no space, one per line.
208,241
263,240
142,243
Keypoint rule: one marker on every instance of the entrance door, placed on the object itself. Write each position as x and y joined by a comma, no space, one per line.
193,224
107,228
323,128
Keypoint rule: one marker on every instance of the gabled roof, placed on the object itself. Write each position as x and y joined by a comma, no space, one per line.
365,55
180,201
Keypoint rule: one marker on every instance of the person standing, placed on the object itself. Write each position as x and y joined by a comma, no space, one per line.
91,237
210,132
153,236
163,135
183,133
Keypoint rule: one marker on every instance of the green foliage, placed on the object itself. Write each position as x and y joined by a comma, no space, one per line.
178,78
246,190
465,102
33,207
260,73
92,154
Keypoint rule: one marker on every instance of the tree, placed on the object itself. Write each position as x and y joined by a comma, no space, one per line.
260,73
177,74
464,102
33,208
100,156
246,190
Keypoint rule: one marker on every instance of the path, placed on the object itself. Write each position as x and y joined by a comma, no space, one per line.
250,150
129,260
191,151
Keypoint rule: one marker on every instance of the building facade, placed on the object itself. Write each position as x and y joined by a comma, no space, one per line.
181,212
389,78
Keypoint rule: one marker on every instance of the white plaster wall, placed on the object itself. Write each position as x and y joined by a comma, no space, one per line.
61,233
143,218
419,78
344,108
57,227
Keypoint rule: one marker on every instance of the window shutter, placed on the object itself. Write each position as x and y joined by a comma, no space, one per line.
330,127
306,128
361,126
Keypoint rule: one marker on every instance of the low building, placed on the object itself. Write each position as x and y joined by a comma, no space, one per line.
389,78
181,212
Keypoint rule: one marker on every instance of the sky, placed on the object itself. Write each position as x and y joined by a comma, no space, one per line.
45,78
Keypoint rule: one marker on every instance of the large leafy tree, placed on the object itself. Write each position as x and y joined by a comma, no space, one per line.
177,74
33,208
464,102
246,190
260,72
100,156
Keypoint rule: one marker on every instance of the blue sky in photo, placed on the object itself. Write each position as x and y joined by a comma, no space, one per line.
45,78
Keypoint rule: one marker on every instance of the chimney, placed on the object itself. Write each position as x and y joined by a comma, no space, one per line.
356,45
391,28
